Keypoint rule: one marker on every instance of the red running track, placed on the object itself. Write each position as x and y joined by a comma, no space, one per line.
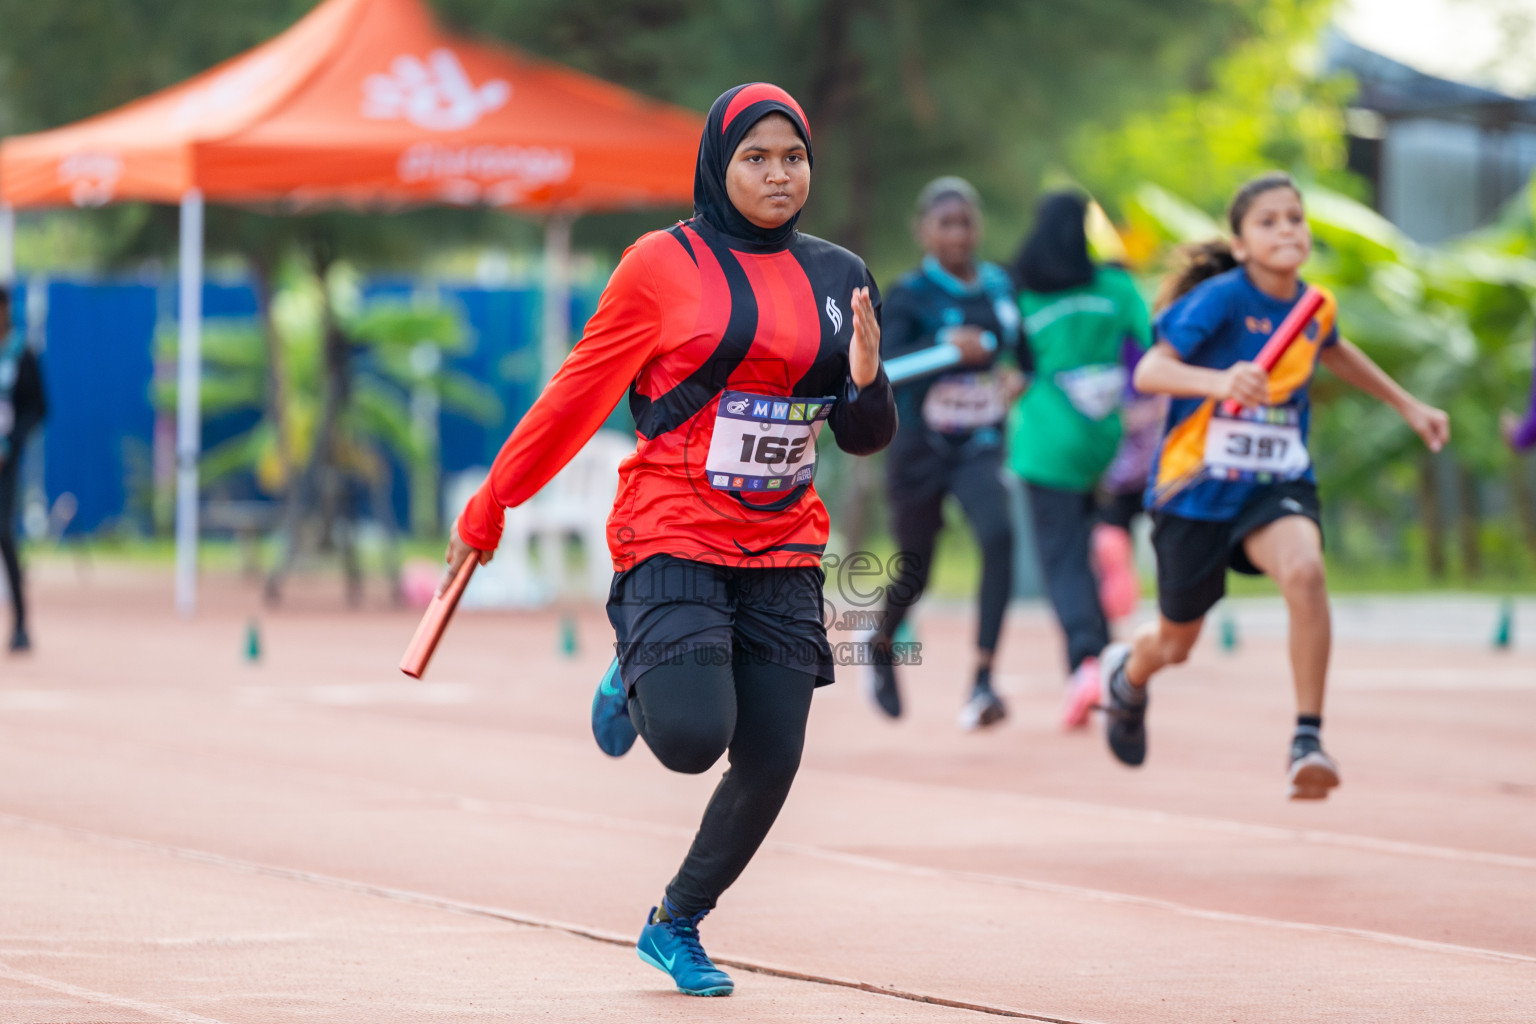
185,837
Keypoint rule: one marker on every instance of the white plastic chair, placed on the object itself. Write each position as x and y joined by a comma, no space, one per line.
576,502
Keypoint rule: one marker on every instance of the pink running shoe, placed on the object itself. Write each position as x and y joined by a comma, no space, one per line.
1082,695
1119,589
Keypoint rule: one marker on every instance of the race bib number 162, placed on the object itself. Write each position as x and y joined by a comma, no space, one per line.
763,442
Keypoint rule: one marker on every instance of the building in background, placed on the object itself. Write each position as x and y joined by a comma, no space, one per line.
1443,156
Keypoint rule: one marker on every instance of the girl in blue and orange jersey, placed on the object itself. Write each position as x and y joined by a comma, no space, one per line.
737,338
1238,490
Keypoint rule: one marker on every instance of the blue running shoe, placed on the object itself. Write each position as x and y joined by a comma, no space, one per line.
611,726
673,946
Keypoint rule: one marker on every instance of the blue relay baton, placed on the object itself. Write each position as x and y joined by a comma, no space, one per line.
934,359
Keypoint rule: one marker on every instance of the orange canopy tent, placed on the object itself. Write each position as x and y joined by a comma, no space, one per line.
361,103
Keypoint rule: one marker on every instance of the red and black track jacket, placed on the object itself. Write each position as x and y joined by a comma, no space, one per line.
691,312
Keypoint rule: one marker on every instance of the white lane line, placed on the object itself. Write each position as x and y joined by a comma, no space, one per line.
1183,909
1111,812
580,818
37,700
949,795
1229,826
105,998
861,861
453,906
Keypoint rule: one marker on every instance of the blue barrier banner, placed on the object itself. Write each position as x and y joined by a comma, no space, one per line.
99,368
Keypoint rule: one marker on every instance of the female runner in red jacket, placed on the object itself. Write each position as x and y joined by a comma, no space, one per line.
738,338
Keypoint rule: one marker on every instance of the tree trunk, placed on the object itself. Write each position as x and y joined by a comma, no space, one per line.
1468,523
1434,522
335,359
382,485
321,491
836,101
1524,506
853,515
263,269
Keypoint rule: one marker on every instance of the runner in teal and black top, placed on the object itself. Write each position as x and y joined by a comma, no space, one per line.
1087,325
949,440
22,408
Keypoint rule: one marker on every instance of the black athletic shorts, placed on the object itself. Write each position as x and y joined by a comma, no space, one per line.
1193,555
669,610
1120,509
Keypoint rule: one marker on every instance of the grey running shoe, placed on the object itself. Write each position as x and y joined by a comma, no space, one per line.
1313,772
1125,721
983,709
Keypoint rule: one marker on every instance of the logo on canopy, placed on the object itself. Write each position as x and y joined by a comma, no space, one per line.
498,175
91,177
227,90
435,94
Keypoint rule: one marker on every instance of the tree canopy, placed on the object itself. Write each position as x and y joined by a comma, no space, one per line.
897,92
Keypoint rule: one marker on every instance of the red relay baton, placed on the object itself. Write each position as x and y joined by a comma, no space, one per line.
436,620
1289,330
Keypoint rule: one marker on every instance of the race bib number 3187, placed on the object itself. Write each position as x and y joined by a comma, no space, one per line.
764,443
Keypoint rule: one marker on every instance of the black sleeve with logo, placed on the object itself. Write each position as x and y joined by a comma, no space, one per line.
864,419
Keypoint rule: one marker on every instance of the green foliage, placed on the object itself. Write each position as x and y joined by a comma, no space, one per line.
60,62
398,350
1452,323
897,92
1262,107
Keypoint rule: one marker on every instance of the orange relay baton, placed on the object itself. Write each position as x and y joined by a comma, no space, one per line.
436,620
1289,330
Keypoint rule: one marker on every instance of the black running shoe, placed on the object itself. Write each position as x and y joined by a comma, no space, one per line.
880,675
20,641
983,709
1313,772
1125,722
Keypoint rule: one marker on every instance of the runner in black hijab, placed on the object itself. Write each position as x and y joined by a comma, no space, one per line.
1087,325
733,326
1055,256
730,119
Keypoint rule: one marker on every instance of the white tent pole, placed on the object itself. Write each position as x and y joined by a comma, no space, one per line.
557,294
7,245
189,368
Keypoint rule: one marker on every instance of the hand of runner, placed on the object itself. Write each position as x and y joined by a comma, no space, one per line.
864,350
1431,424
968,340
1244,383
459,553
1015,383
1509,426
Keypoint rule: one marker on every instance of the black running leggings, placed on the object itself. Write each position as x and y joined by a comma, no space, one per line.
8,483
689,714
916,519
1064,522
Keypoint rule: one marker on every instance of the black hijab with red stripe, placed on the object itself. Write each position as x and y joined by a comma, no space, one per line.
730,119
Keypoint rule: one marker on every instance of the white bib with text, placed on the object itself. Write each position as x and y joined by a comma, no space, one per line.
1094,391
764,443
959,402
1263,442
